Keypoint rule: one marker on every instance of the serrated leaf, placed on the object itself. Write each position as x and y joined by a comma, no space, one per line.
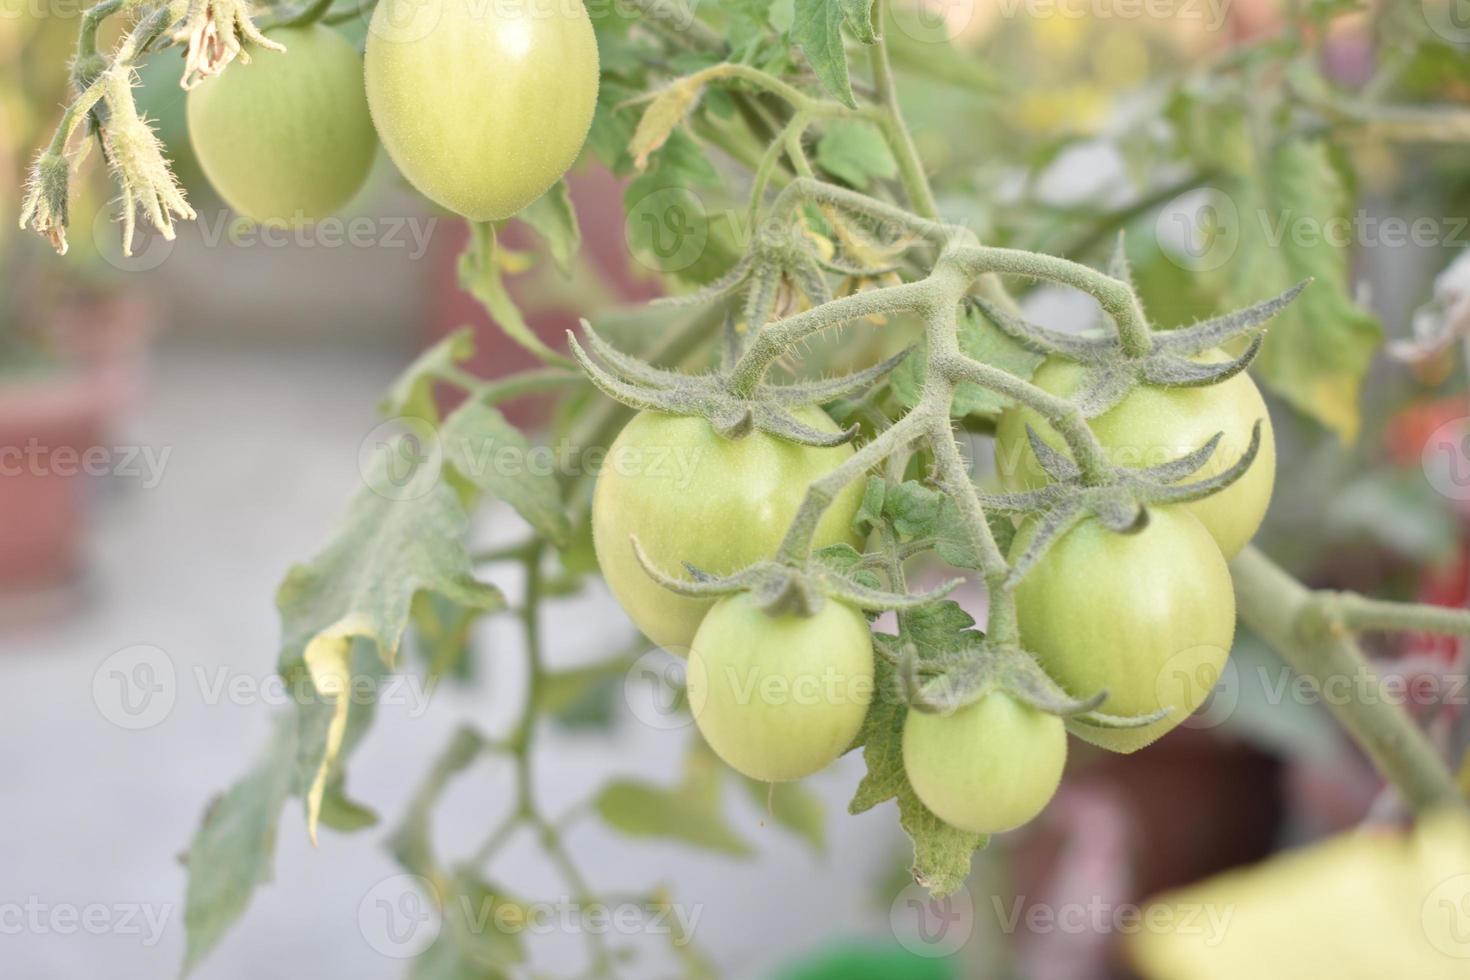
941,853
362,585
794,807
412,392
912,508
555,220
234,847
496,457
938,628
817,30
856,152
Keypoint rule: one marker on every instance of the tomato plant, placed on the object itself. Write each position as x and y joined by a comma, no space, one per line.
690,495
743,497
287,137
1153,425
989,767
1148,617
482,107
780,697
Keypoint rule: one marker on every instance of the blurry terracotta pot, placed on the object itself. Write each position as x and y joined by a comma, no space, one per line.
51,418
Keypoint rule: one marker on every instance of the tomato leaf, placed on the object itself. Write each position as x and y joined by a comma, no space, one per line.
555,220
480,274
412,392
857,153
817,30
497,458
1318,349
941,853
689,812
234,847
404,533
667,110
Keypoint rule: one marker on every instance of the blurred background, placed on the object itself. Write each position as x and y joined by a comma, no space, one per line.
179,426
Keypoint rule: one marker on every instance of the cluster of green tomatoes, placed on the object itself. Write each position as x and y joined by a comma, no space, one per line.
1148,617
481,106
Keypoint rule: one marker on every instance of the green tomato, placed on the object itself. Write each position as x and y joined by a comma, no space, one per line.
1154,425
286,138
689,494
780,697
1148,617
988,767
483,106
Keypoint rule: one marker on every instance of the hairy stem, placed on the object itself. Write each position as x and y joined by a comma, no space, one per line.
1360,613
1278,607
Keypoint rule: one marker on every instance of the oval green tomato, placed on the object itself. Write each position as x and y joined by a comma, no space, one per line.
1148,617
988,767
286,138
780,697
688,494
1154,425
483,106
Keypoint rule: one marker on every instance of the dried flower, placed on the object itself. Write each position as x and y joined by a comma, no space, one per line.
216,32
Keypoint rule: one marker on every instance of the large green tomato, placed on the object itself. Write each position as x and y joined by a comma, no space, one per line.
1154,425
1148,617
689,494
286,138
780,697
988,767
483,106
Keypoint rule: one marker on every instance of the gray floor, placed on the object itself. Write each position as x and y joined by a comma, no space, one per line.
263,456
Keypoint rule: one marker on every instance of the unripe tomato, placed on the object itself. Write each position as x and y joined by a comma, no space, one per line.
483,106
780,697
1148,617
988,767
689,494
286,138
1153,426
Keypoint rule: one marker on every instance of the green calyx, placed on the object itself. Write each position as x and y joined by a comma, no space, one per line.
769,409
838,572
961,677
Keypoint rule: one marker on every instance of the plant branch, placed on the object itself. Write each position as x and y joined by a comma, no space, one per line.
1280,610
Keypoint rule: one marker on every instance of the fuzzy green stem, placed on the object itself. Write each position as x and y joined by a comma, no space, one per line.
1115,296
910,164
796,547
1276,606
1360,613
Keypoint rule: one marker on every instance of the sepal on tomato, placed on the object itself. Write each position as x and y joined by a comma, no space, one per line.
640,385
782,589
